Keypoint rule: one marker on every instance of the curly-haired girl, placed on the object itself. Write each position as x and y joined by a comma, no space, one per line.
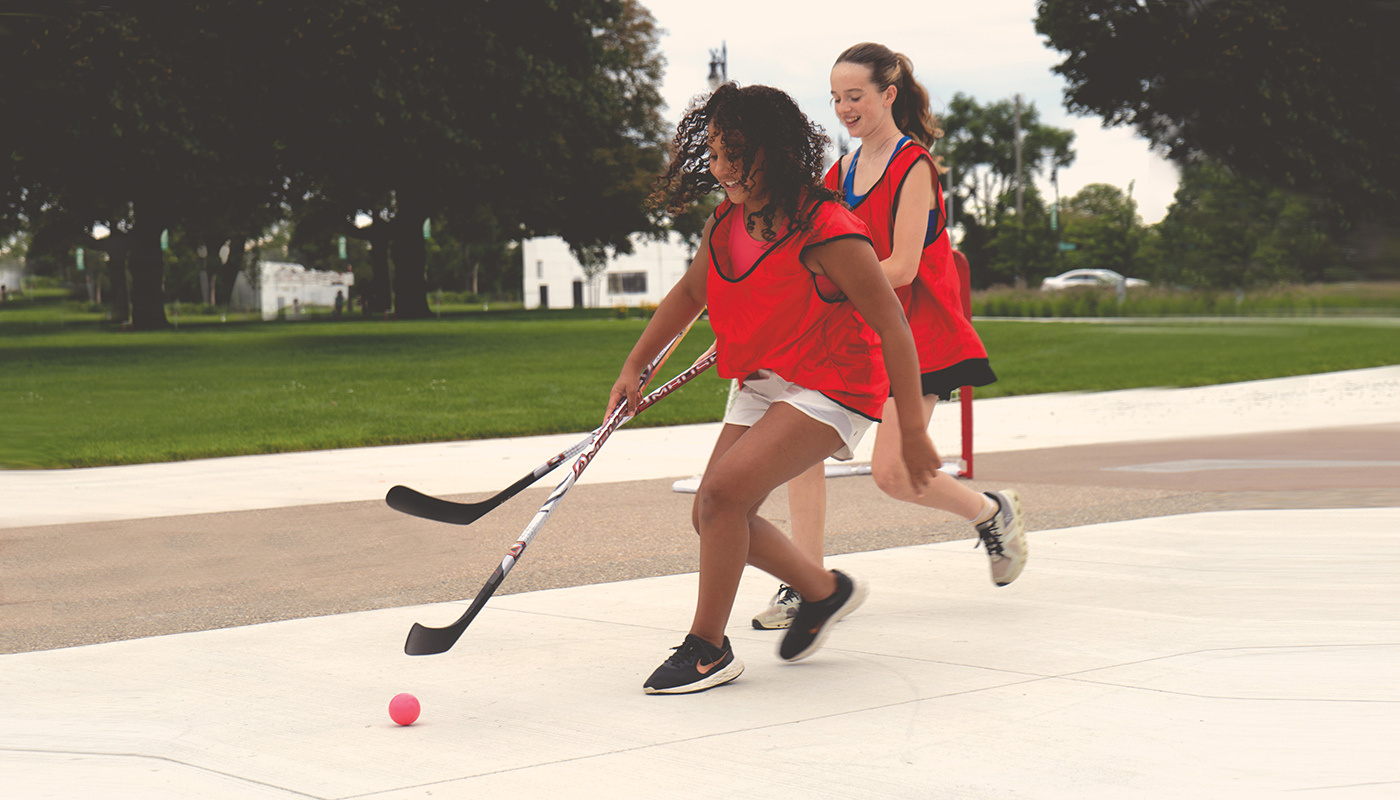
788,274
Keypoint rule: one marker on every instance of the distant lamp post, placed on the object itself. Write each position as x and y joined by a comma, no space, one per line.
719,66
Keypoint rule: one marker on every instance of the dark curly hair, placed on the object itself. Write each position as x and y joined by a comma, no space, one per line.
749,118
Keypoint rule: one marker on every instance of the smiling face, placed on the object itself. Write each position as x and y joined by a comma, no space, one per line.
859,103
741,189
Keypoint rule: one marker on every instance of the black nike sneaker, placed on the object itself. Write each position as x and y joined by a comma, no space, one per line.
696,665
814,619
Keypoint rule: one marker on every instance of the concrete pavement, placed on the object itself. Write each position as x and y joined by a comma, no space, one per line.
1233,653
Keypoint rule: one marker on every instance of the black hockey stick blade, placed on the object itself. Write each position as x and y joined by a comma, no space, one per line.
425,641
412,501
422,640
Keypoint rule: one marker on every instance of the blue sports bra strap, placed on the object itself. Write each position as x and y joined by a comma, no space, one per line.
937,220
848,186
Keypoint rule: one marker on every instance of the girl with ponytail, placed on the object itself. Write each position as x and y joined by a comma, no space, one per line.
890,183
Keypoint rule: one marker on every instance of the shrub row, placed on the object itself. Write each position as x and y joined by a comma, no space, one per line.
1375,299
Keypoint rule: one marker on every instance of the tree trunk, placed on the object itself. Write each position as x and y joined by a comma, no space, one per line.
378,294
119,292
115,245
147,267
228,270
210,269
410,267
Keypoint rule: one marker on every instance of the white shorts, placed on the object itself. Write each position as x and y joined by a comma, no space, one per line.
762,389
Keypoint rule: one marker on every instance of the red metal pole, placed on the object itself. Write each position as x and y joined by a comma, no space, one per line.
965,393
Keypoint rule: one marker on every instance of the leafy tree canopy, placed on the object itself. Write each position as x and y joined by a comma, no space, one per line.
1101,222
218,117
1225,231
979,148
979,145
1298,94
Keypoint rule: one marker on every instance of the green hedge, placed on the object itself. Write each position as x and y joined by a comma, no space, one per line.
1361,299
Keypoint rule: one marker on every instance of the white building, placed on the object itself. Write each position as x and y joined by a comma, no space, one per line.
291,286
11,273
555,279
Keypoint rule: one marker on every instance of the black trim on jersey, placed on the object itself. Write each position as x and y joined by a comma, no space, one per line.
839,298
942,212
714,263
848,408
938,192
888,164
719,216
803,252
829,397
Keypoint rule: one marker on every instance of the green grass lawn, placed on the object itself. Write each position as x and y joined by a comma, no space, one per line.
1037,357
76,395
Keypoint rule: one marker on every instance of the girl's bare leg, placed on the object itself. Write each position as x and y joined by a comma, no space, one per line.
807,506
887,468
746,465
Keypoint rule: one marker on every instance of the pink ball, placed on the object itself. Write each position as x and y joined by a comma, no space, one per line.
404,709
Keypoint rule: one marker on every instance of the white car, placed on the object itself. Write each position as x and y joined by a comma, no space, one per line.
1088,277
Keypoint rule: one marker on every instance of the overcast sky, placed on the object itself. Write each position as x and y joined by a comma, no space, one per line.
984,48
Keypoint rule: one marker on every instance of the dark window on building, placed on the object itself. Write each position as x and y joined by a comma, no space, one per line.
627,283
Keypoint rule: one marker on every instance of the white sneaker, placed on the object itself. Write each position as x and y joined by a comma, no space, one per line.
779,613
1004,536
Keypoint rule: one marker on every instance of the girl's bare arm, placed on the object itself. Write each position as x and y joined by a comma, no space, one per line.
910,225
852,266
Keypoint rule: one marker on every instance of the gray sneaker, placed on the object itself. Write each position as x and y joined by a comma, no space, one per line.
1004,536
779,613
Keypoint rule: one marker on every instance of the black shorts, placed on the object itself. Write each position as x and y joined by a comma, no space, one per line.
969,372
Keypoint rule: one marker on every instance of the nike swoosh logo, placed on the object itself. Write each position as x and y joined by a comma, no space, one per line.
705,668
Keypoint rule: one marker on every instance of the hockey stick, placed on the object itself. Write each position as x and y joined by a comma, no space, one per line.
425,641
412,501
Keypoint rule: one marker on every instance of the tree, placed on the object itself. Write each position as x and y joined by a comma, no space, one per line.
1225,231
13,246
137,119
616,141
215,118
690,224
979,147
1102,223
1301,95
531,118
1016,250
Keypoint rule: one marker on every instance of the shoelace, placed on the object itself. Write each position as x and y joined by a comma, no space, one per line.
684,653
786,594
989,535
